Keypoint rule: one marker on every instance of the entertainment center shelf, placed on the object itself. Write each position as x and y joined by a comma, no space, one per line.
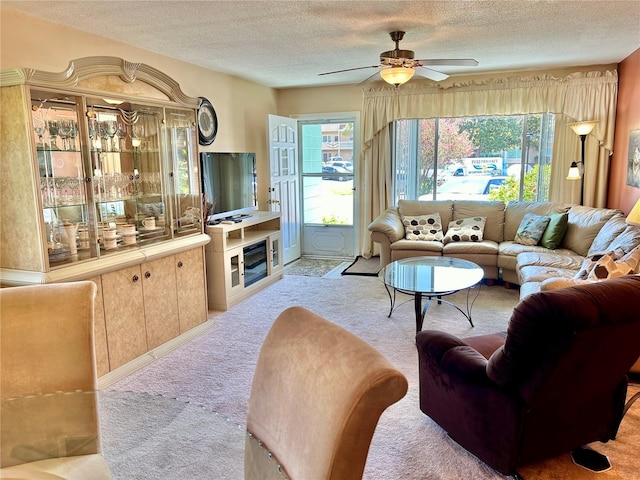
242,258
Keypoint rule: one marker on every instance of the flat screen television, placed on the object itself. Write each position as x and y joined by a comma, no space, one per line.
228,185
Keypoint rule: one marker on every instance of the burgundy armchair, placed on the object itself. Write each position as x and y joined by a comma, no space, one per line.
555,381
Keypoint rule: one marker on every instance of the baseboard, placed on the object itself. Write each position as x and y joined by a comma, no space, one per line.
128,368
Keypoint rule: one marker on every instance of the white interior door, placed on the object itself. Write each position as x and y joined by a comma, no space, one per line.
284,192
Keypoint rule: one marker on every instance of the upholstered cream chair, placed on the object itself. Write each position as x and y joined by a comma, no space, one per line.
49,416
318,392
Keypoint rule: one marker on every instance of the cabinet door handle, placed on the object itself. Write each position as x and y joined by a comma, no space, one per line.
147,274
180,264
135,278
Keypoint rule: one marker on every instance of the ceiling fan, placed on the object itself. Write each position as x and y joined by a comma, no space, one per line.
398,66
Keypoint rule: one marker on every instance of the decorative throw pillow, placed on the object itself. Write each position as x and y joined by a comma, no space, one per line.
588,264
465,230
633,259
554,233
531,229
423,227
607,267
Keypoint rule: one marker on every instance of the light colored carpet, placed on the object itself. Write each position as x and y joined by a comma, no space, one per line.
215,372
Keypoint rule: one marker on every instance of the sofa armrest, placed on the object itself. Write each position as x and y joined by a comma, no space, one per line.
452,355
389,223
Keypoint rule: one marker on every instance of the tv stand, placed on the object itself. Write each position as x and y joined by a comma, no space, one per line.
242,258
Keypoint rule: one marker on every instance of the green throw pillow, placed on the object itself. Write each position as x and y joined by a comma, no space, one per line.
554,233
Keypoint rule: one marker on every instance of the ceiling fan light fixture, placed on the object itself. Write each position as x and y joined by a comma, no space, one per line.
397,75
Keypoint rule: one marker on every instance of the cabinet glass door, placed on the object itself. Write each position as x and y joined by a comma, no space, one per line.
125,148
63,182
184,174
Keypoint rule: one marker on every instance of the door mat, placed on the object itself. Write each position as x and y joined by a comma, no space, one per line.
311,267
368,267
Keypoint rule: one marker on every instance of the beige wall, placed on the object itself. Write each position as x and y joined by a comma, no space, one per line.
241,106
621,195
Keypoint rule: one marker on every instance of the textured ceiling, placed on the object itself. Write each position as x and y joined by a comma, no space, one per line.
284,44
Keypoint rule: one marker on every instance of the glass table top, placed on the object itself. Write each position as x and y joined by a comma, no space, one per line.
431,275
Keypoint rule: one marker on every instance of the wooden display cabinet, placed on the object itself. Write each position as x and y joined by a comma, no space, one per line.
101,182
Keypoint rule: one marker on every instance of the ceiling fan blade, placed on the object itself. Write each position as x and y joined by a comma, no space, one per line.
451,62
367,79
349,70
431,74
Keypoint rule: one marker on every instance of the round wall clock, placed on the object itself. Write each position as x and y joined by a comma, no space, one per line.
207,122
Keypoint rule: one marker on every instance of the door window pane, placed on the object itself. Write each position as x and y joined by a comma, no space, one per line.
327,173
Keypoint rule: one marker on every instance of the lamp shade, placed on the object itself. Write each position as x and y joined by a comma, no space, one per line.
397,75
582,128
574,172
634,215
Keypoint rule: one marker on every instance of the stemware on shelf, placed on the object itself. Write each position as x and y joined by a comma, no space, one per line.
52,128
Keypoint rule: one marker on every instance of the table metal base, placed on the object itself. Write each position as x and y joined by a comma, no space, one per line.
421,310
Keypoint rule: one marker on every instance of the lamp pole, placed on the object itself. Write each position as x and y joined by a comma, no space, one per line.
583,138
582,129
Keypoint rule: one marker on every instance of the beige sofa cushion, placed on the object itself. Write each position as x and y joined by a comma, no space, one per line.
514,212
546,259
418,247
627,240
607,234
493,211
583,226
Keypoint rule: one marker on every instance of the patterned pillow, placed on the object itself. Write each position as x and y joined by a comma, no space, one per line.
423,227
531,229
607,267
465,230
589,263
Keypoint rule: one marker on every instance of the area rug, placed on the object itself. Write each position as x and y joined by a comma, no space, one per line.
363,266
311,267
214,373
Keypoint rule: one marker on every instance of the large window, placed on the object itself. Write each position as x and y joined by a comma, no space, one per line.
485,158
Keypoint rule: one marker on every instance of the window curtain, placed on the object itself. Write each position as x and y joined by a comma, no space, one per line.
576,97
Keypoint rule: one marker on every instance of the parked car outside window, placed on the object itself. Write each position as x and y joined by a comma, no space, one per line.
474,187
335,173
342,164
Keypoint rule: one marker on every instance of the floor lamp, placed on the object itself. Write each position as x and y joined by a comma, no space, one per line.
582,129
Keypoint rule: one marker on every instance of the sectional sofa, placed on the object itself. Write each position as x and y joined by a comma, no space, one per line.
505,240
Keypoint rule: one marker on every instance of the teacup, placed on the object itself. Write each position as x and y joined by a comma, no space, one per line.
128,229
149,223
129,239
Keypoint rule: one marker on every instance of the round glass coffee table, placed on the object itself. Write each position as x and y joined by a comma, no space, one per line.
428,278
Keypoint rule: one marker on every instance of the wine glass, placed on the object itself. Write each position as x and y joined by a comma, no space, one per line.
104,133
111,131
52,126
64,129
39,126
73,133
121,132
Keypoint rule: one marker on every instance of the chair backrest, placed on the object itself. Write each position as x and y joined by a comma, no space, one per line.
568,343
318,392
48,372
